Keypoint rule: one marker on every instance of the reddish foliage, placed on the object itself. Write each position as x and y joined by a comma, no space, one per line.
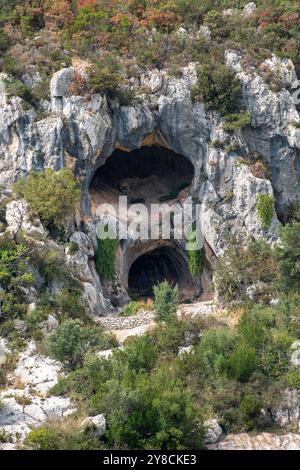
85,3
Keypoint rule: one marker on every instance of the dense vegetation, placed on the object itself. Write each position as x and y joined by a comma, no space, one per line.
52,195
122,38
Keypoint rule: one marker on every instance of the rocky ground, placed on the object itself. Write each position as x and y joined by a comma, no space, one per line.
26,402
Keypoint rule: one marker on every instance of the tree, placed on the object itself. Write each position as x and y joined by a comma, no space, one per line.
71,341
51,195
165,301
14,276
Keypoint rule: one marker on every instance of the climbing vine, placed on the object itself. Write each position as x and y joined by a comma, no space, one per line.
195,260
105,257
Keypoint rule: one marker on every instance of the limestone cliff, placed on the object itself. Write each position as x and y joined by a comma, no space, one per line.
81,132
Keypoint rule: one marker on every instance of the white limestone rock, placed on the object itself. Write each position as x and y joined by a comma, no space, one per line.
213,431
97,423
4,350
19,217
249,9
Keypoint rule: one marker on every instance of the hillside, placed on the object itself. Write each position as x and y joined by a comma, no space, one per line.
181,331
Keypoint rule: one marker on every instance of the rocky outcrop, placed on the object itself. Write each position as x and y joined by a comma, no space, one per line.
263,441
81,132
26,403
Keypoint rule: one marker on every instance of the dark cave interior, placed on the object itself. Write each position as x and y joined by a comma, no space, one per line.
148,174
155,266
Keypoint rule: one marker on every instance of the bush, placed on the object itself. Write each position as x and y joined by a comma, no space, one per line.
52,195
169,336
71,341
134,307
140,354
250,410
16,88
165,301
235,122
242,362
218,87
265,209
4,41
292,379
106,75
242,266
210,358
288,256
14,277
61,436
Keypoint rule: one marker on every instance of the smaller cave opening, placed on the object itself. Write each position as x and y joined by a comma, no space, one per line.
154,267
148,174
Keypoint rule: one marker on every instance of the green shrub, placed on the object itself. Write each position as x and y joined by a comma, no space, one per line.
15,87
106,75
250,411
235,122
169,336
275,353
140,354
4,41
210,357
292,379
242,362
51,195
288,256
14,277
71,341
165,301
61,436
106,257
265,209
245,265
134,307
219,88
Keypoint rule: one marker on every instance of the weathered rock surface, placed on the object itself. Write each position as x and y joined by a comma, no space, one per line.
213,431
263,441
29,405
97,423
4,350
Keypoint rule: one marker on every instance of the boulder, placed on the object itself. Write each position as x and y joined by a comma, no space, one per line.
97,423
213,431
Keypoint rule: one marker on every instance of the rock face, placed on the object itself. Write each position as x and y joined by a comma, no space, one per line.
81,132
287,413
26,403
263,441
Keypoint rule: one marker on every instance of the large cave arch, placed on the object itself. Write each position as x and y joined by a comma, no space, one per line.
148,174
147,264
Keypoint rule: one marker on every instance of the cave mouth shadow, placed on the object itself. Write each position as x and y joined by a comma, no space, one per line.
148,174
155,266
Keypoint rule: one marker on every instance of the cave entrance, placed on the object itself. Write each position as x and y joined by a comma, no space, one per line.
155,266
147,175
